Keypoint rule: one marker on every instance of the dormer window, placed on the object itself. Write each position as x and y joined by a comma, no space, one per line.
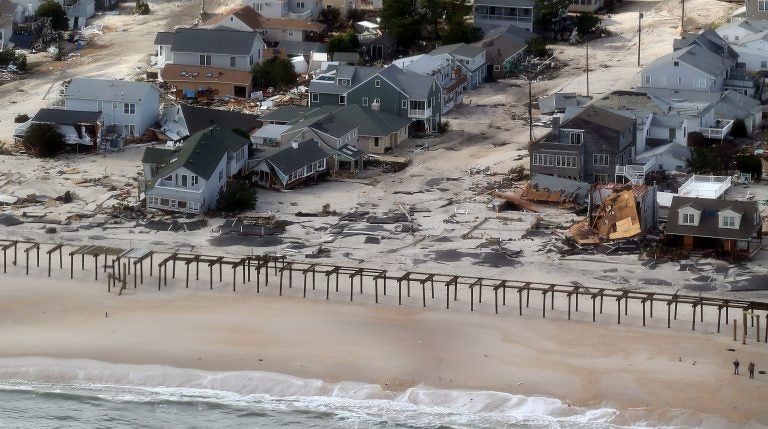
575,138
729,219
689,216
676,63
345,82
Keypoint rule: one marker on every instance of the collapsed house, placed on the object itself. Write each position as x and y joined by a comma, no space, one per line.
617,212
78,127
289,167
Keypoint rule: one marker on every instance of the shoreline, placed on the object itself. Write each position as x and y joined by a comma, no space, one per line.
587,365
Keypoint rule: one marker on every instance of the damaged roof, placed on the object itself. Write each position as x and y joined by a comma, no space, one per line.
202,151
290,158
547,188
66,117
603,117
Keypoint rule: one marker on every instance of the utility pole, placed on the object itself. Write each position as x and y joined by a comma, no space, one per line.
682,19
587,45
530,111
639,34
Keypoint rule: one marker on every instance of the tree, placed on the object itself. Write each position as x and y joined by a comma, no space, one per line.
401,20
549,11
330,17
750,163
345,42
276,72
586,23
43,141
56,12
433,12
458,30
142,7
11,57
239,196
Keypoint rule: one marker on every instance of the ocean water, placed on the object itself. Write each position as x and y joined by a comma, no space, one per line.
47,393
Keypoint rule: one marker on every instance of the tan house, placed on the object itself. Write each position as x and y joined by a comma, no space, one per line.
199,81
245,18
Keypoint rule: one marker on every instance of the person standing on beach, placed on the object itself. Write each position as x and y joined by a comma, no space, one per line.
736,367
751,369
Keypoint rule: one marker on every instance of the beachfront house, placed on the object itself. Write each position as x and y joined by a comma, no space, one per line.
190,178
586,147
129,106
287,167
391,89
731,227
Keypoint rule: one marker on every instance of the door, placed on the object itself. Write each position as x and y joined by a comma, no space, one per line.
240,91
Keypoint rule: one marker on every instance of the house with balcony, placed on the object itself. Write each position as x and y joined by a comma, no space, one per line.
190,179
492,13
271,30
291,9
130,107
505,46
390,89
448,75
732,228
208,62
470,58
587,147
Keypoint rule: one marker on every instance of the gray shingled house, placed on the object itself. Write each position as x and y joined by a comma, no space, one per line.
390,89
733,227
294,165
189,179
586,147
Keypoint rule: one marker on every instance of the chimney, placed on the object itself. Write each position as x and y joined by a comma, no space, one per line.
295,144
556,126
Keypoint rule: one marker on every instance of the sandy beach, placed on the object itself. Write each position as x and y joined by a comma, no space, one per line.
652,371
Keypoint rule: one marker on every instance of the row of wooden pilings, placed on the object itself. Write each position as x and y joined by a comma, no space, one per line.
284,269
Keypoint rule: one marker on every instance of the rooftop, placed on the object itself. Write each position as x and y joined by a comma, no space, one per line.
108,90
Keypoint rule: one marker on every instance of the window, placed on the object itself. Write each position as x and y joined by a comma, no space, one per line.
404,104
182,204
663,80
259,7
377,83
129,108
114,105
315,97
689,219
184,182
290,33
679,80
647,80
130,129
728,222
600,160
497,68
576,138
165,202
567,161
205,60
232,61
375,142
601,178
194,180
365,101
300,5
762,5
99,106
342,99
676,63
194,206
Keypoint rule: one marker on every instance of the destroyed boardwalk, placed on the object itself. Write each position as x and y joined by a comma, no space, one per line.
437,290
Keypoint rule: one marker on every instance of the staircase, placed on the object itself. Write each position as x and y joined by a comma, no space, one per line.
635,173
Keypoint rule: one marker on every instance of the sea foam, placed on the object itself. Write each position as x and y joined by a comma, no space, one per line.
420,406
